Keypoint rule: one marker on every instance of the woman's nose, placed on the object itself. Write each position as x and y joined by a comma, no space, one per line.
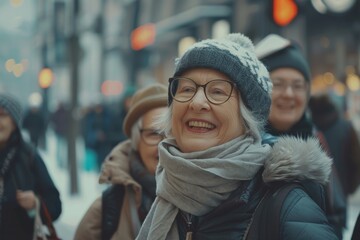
199,101
289,90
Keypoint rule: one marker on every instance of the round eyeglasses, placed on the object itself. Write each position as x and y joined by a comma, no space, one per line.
217,91
298,87
151,137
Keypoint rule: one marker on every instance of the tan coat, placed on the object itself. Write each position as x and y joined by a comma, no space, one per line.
115,170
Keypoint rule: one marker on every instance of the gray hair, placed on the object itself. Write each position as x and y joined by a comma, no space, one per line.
135,134
252,125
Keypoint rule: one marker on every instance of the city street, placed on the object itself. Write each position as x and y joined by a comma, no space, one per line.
75,67
74,207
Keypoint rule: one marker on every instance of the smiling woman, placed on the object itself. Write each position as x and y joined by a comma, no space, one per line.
291,76
130,170
24,180
209,177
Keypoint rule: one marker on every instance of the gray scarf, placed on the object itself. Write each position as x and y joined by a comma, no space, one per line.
198,182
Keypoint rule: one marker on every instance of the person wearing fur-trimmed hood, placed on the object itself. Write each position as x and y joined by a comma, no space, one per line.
25,182
213,167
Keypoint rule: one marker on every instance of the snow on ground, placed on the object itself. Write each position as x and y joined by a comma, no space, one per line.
73,206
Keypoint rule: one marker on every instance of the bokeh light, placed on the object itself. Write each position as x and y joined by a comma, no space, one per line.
9,65
35,99
18,70
16,3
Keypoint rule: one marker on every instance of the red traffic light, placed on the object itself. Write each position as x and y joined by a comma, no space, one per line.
143,36
284,11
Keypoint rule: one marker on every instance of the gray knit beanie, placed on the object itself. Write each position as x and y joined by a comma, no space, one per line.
234,56
12,106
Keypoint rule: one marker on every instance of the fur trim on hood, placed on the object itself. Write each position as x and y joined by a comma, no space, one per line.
295,159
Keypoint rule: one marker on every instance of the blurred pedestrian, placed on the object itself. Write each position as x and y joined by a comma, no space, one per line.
342,140
35,123
290,75
96,129
60,120
117,134
24,179
212,164
130,169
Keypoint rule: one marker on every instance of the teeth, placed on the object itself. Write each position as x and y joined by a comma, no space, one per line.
201,124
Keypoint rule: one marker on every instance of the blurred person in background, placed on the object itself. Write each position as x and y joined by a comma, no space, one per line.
117,133
290,75
60,120
342,140
96,132
35,123
130,169
24,179
214,171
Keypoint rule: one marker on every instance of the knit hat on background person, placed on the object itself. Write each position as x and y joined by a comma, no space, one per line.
12,106
145,99
234,56
277,52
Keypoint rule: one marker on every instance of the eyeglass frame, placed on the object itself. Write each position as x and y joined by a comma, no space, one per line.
142,130
204,89
281,86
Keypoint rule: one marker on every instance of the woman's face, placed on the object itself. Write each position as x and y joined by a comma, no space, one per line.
289,98
7,126
198,124
148,144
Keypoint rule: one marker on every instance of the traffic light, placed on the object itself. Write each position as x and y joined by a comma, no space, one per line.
284,11
143,36
46,77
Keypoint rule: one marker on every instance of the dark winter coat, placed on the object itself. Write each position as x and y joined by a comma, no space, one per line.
335,199
27,172
301,217
342,140
35,123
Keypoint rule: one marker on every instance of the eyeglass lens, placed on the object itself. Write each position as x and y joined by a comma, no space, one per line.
151,137
216,91
297,87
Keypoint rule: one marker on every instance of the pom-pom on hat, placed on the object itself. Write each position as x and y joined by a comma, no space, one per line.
145,99
11,105
277,52
234,56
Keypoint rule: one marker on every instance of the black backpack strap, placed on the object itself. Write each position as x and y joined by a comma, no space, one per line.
265,223
112,200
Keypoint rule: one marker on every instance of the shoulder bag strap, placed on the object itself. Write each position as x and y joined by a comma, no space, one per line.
48,222
265,223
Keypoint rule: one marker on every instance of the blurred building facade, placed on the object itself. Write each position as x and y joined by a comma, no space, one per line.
135,42
328,31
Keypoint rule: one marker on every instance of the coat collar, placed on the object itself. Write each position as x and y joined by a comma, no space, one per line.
295,159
